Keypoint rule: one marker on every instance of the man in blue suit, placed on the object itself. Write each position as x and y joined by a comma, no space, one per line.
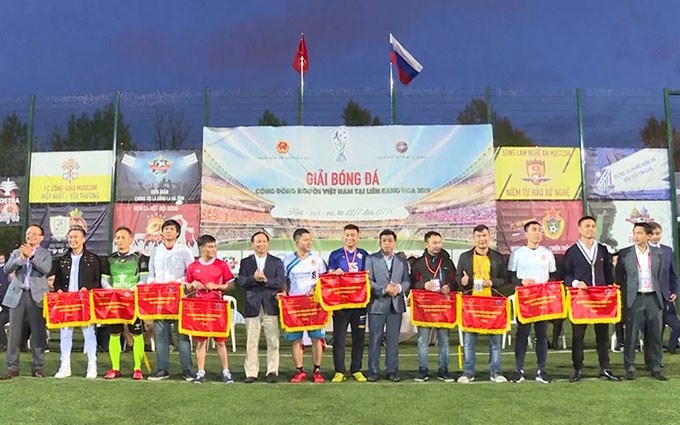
669,287
389,278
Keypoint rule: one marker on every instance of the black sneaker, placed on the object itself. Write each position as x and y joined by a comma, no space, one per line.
422,375
543,377
444,375
159,375
271,378
518,377
188,376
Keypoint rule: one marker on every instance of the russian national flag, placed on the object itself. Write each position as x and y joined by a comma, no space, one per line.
406,64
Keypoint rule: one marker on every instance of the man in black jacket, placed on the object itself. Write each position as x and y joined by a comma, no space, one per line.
77,270
434,271
588,263
479,270
262,276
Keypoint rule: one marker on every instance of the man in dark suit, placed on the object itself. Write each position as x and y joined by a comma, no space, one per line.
588,263
669,287
479,270
262,276
389,279
30,264
638,271
77,270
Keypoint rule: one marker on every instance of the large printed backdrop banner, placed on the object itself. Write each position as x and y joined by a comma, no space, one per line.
627,173
57,219
158,176
558,218
534,173
10,196
145,221
68,177
615,220
280,178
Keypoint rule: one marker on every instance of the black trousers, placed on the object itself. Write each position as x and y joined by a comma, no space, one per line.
670,318
4,319
523,331
356,318
601,340
646,317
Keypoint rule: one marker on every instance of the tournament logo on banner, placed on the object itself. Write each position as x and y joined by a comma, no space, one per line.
627,173
145,221
56,220
534,173
302,313
67,309
348,290
597,304
158,301
615,220
433,309
158,176
10,196
68,177
558,221
204,318
535,303
484,315
282,178
112,306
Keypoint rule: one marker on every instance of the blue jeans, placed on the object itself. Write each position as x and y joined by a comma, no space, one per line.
424,342
469,346
161,335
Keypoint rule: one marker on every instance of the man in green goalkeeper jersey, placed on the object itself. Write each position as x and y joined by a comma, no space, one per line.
124,269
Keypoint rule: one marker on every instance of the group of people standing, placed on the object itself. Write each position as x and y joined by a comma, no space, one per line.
644,271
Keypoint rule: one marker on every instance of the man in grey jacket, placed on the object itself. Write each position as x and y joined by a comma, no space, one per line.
30,264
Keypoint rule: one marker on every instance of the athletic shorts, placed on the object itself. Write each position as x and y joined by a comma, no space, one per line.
203,338
136,328
294,336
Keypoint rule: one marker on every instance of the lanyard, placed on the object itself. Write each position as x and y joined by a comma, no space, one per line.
590,260
435,272
649,260
354,257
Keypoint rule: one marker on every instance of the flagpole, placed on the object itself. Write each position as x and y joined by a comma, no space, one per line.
302,88
393,99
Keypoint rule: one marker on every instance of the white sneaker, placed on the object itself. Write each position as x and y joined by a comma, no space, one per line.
465,379
91,372
63,372
498,378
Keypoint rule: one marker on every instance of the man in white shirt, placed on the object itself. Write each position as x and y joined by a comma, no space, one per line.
168,263
531,265
303,268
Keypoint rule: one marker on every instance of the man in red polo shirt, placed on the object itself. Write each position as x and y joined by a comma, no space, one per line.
209,277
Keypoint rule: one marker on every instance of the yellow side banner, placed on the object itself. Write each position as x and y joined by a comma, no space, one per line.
534,173
54,189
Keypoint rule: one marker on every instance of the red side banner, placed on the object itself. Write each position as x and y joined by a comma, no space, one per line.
158,301
597,304
110,306
204,317
484,315
535,303
302,313
67,309
432,309
349,290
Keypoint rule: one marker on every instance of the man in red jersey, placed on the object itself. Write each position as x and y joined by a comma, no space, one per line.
209,277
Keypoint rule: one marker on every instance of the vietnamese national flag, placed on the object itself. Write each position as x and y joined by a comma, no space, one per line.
301,56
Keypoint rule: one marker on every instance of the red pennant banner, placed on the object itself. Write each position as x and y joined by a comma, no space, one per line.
433,309
158,301
111,306
67,309
302,313
535,303
204,317
338,292
484,315
596,304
